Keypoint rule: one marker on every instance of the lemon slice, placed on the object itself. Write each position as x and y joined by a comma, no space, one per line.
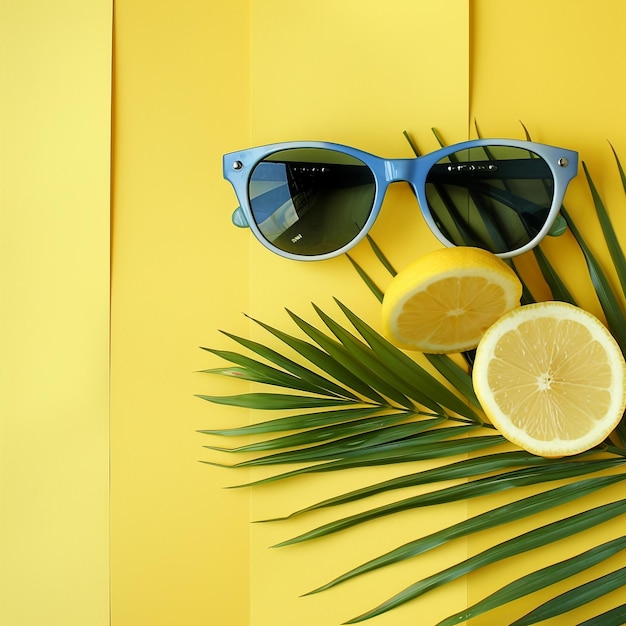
551,378
445,300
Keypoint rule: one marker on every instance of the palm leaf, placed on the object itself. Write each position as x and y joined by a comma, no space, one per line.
256,371
392,440
358,401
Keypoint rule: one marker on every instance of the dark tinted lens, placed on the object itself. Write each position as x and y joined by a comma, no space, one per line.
311,201
493,197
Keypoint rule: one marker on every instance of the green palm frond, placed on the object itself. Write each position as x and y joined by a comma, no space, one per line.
354,400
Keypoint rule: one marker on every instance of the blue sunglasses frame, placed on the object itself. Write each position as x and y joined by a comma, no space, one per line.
238,167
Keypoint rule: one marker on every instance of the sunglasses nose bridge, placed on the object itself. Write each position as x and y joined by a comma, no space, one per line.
400,170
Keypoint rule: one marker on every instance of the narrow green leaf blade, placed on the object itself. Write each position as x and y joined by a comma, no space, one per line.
612,242
576,597
503,514
373,287
557,287
610,305
543,578
356,361
352,447
326,363
427,449
345,432
531,540
260,372
275,401
291,366
381,257
370,359
411,143
614,617
298,421
453,471
455,375
620,169
464,491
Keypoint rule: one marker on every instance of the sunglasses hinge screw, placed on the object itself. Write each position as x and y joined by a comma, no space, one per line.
237,165
563,162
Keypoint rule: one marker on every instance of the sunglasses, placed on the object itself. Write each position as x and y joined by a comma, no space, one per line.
316,200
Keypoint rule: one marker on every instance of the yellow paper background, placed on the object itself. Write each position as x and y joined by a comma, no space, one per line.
55,128
193,80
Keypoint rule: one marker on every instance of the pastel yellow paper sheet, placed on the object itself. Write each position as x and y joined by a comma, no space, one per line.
191,81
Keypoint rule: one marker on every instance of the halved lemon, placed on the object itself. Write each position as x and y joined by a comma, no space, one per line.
445,300
551,378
